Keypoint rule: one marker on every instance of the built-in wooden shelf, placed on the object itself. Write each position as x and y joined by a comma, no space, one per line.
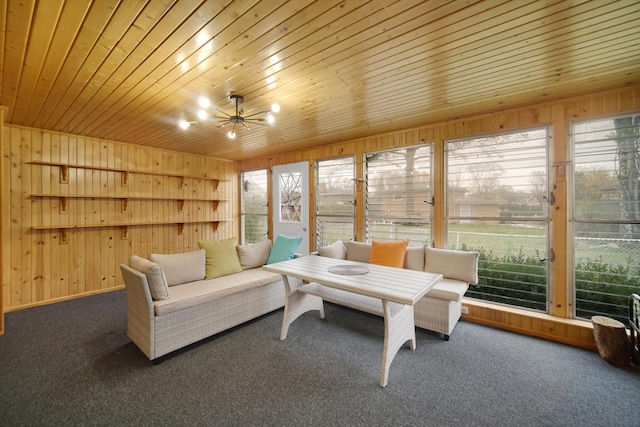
64,172
125,226
180,201
125,199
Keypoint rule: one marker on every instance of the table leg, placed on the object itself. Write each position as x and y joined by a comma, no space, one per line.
399,328
296,304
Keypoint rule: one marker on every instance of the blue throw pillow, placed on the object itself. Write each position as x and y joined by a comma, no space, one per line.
284,248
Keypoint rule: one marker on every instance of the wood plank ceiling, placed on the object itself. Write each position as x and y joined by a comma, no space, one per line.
128,70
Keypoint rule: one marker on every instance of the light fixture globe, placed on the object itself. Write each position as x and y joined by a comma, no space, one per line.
263,118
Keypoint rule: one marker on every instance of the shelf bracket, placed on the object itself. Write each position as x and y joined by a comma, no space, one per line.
180,205
215,184
63,236
63,205
64,174
180,228
125,232
125,205
125,178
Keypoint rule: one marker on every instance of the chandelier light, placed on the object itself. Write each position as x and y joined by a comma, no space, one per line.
263,118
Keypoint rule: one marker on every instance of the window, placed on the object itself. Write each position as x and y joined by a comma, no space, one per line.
335,200
398,195
254,209
497,205
606,215
290,188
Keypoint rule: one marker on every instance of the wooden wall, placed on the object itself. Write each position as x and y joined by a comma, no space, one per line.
557,325
65,230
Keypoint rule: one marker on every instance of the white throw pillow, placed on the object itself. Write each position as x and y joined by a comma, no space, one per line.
458,265
183,267
254,255
156,278
335,250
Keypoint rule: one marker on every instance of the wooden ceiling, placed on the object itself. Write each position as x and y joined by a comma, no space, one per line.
128,70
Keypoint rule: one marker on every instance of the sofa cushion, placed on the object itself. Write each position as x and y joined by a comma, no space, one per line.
203,291
358,251
156,278
391,254
221,258
182,267
284,248
335,250
452,264
254,254
414,259
449,290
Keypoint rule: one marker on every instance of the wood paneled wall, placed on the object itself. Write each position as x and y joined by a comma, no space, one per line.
557,325
118,200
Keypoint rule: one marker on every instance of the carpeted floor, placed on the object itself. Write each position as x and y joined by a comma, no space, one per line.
71,363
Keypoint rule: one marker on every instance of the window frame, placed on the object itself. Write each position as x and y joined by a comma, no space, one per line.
368,236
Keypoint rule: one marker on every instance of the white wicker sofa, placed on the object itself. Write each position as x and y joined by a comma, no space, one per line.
171,303
440,309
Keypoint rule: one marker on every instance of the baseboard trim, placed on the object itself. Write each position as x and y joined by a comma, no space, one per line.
577,333
67,298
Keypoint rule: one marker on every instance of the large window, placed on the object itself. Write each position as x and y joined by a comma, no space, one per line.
398,196
606,215
254,209
497,204
335,200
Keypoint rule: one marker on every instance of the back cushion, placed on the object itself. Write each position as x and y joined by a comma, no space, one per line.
254,255
358,251
414,260
335,250
156,278
183,267
458,265
390,254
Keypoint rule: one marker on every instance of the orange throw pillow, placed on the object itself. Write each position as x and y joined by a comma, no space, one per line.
388,253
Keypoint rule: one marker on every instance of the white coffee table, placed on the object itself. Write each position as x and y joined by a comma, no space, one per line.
385,291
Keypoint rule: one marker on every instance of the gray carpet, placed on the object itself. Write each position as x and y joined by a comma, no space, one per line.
71,363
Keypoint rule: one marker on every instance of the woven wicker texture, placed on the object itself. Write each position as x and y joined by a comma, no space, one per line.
398,329
437,315
157,336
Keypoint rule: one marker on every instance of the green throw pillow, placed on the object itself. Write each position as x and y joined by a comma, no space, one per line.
221,257
284,248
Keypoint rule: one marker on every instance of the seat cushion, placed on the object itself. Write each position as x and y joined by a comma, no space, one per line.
449,290
203,291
